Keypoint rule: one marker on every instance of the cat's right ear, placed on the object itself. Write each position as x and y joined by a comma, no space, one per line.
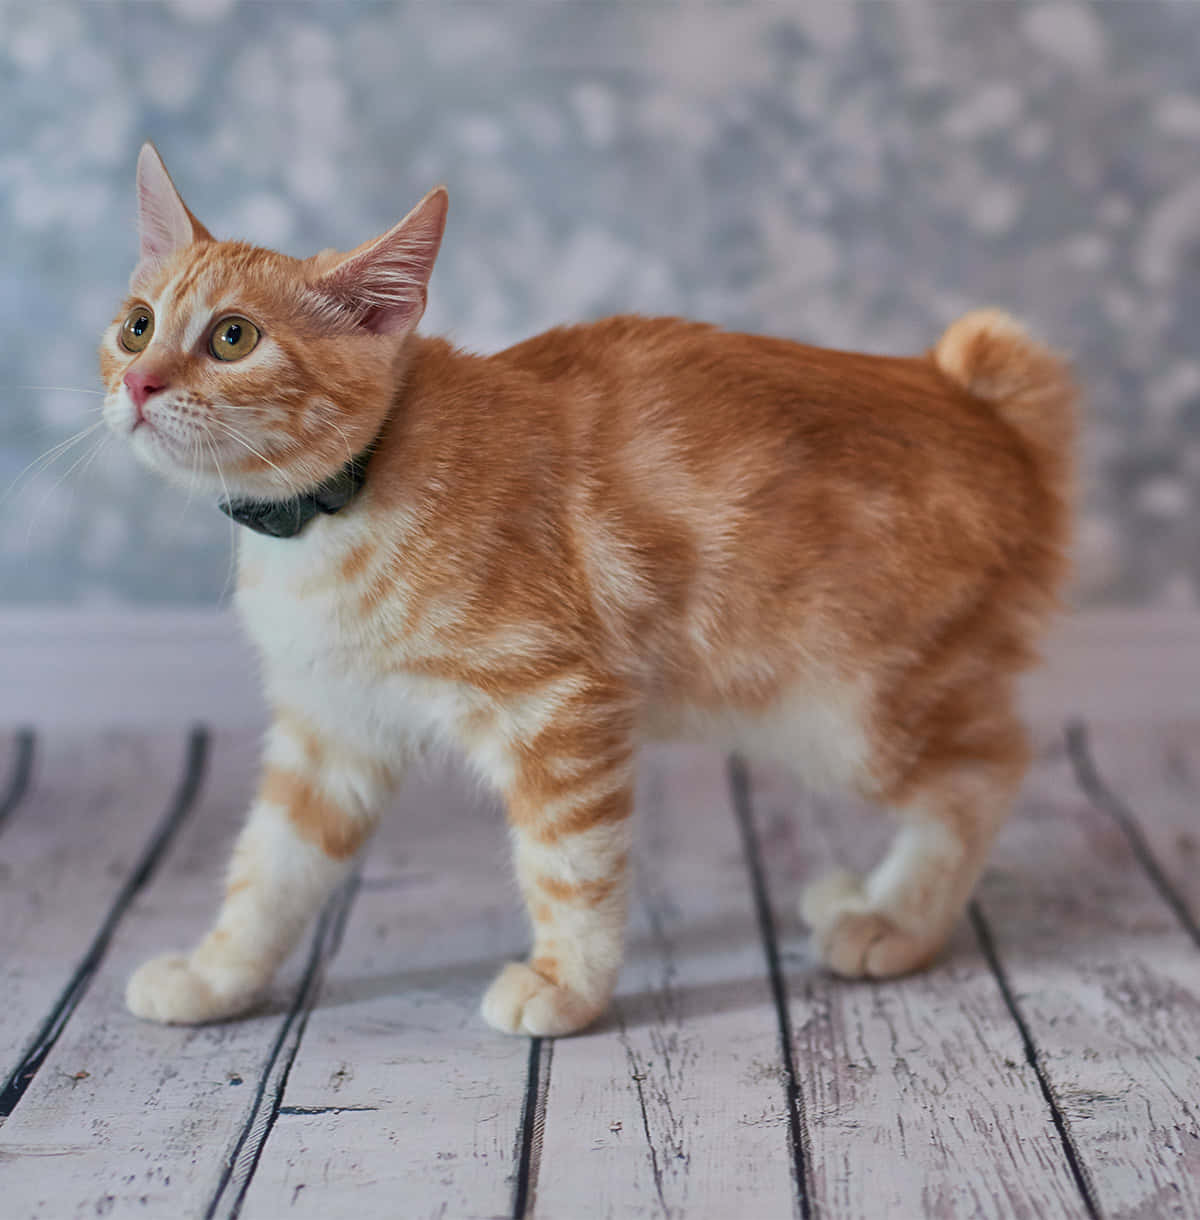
164,222
381,286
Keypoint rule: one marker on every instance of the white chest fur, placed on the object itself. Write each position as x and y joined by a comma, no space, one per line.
328,661
324,658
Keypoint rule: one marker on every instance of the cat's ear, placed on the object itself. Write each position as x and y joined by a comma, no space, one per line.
164,222
381,286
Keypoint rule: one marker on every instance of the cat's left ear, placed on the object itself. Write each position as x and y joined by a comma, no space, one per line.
164,222
381,286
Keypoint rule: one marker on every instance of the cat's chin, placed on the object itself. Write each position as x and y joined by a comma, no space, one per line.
194,472
186,469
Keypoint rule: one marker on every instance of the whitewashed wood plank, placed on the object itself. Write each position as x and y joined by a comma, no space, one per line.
17,750
137,1118
65,853
1148,776
173,666
676,1105
1108,983
1116,665
919,1097
401,1100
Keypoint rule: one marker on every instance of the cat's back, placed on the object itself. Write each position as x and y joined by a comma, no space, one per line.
721,400
830,469
696,371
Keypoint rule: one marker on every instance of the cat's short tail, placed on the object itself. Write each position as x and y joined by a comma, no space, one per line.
992,356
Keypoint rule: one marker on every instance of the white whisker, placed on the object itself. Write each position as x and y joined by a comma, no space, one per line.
235,435
231,573
328,414
51,456
193,469
71,389
58,483
96,451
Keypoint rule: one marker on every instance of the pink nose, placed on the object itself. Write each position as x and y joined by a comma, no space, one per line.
141,383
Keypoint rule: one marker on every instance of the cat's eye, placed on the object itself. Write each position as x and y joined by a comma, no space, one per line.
233,338
137,329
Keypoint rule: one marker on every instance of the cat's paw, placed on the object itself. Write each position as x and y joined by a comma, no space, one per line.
170,989
521,1001
856,940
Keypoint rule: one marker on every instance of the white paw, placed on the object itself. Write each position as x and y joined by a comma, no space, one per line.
521,1001
172,990
857,940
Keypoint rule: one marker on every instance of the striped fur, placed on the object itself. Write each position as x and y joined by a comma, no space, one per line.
610,533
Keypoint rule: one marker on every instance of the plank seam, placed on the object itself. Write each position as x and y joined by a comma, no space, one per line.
20,1078
22,772
1102,797
309,1111
739,786
243,1158
639,1078
1079,1171
532,1128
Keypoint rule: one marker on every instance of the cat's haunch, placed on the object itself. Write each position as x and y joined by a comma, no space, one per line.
610,533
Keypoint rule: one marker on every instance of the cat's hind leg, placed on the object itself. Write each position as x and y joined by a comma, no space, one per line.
950,806
570,804
316,805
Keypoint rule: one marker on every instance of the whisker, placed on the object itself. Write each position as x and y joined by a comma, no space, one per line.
345,439
328,413
71,389
193,469
195,453
56,485
217,463
96,451
51,456
79,460
231,571
30,429
262,457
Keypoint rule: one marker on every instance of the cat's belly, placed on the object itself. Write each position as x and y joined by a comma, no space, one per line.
326,665
818,730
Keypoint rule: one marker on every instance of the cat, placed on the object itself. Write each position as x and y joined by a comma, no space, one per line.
634,529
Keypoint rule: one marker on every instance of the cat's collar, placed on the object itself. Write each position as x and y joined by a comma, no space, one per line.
286,518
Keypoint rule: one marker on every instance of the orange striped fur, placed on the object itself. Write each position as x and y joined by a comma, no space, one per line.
609,533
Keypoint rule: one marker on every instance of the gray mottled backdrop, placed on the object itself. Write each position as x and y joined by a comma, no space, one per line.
848,174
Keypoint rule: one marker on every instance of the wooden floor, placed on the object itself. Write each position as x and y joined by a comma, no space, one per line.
1048,1067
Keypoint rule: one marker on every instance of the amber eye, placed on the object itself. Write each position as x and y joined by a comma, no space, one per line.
233,338
137,329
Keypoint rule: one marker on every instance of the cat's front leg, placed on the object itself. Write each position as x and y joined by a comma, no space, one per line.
570,807
316,805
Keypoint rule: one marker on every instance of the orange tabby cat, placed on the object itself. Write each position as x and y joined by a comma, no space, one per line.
606,534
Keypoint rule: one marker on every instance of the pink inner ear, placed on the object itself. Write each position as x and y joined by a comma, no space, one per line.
164,223
382,288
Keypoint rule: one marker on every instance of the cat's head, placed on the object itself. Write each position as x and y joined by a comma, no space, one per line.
251,374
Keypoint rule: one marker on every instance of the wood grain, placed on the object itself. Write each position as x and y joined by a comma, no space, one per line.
65,853
17,748
383,1094
676,1105
1148,775
1109,986
919,1098
137,1118
401,1097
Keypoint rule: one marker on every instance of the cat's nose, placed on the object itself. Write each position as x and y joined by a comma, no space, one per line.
141,383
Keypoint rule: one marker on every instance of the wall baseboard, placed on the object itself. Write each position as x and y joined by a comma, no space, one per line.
74,668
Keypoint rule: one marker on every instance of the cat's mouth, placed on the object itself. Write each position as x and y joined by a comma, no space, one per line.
196,450
181,449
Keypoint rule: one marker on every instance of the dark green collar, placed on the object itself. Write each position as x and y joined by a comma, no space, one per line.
286,518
